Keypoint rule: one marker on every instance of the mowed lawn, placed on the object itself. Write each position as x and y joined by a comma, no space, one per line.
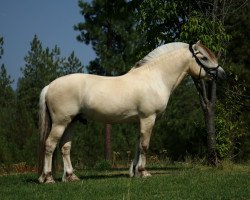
175,182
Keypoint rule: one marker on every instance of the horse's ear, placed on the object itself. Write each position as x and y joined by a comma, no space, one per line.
195,46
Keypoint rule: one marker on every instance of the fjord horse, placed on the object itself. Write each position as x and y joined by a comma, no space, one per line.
139,95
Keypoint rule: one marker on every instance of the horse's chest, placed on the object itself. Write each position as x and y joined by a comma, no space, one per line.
153,104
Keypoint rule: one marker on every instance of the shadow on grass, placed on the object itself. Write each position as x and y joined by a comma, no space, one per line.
111,173
106,176
124,173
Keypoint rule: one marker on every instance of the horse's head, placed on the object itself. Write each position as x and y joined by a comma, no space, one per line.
204,63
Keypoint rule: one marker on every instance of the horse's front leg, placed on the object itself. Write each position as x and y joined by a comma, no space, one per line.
137,167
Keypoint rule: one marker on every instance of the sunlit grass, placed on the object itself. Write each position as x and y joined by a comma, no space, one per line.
181,181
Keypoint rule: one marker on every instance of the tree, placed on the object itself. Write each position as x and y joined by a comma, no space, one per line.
7,109
207,89
154,23
6,91
234,103
109,28
71,65
160,22
210,27
6,81
42,66
94,67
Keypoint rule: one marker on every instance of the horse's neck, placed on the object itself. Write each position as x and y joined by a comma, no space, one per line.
167,70
172,68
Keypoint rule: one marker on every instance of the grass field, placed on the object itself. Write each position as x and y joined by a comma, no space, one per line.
175,182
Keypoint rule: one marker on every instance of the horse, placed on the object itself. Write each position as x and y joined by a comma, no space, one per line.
139,96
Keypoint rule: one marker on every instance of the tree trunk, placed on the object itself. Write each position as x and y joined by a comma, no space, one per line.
209,116
107,148
207,94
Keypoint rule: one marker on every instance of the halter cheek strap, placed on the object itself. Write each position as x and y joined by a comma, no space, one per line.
202,66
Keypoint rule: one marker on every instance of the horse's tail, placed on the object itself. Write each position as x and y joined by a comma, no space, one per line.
44,127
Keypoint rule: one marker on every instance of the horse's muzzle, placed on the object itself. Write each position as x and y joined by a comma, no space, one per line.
217,74
221,73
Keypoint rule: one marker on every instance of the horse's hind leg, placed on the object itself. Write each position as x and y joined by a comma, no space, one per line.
65,146
50,145
138,165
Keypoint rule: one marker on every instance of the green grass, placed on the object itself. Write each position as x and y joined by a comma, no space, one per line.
175,182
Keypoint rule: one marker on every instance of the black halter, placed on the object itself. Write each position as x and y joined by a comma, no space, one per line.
202,66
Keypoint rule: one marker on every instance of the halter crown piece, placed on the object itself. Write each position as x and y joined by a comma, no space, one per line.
202,66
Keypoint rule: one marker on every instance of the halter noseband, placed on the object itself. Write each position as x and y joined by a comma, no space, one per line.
202,66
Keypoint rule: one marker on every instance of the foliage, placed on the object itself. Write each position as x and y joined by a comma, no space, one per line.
42,66
211,30
6,91
239,71
87,144
121,33
109,27
103,165
154,23
71,65
211,33
7,102
232,125
18,116
180,130
147,30
160,22
5,81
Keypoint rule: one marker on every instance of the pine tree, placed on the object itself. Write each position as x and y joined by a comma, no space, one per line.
7,110
122,32
71,65
109,27
41,67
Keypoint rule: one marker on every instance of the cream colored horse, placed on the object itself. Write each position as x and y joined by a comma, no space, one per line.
140,95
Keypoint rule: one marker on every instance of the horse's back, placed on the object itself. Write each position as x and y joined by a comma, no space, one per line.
107,99
98,97
65,86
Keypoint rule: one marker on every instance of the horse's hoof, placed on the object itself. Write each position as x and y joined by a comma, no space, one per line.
142,172
46,178
70,178
137,171
49,181
145,174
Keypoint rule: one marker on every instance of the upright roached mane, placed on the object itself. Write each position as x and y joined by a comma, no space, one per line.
159,51
136,96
